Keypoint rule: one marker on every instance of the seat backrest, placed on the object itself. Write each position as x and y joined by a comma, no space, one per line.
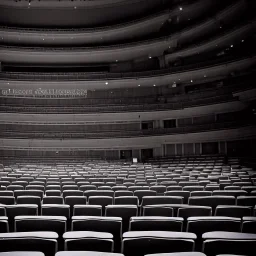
153,223
56,224
89,193
123,193
157,210
37,193
111,225
200,225
229,243
88,241
7,200
45,242
140,243
87,210
52,200
246,200
72,193
126,200
123,211
212,201
232,211
56,210
249,225
194,211
4,226
150,200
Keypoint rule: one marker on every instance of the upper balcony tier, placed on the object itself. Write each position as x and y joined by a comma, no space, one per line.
108,34
212,69
118,52
55,13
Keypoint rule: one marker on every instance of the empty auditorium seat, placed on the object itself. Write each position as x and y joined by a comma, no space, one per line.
184,194
53,193
212,201
45,242
193,211
88,240
123,211
111,225
16,210
66,193
229,243
140,243
4,226
249,225
73,200
200,225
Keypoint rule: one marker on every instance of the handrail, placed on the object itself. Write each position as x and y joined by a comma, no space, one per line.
119,108
81,76
123,134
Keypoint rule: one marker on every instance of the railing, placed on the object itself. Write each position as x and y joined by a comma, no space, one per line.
94,76
117,108
127,134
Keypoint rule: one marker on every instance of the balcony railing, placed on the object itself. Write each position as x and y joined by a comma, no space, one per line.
116,108
127,134
99,76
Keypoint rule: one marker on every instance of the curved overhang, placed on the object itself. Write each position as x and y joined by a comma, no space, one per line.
121,117
113,53
247,132
126,31
225,40
126,80
73,13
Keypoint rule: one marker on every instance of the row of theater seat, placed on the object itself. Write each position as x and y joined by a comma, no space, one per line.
134,243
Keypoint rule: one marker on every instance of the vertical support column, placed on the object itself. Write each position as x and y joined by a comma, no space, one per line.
162,62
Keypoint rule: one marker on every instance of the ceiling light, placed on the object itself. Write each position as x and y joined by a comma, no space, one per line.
138,84
106,83
231,45
149,57
181,9
154,85
204,75
191,81
242,40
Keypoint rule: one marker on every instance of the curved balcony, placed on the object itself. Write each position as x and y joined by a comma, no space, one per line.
109,34
153,141
73,13
183,74
125,134
232,37
139,116
114,53
118,108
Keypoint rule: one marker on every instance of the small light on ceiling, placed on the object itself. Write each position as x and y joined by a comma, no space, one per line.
220,26
154,85
149,57
231,45
106,83
138,84
191,81
75,7
204,75
181,8
116,60
242,40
